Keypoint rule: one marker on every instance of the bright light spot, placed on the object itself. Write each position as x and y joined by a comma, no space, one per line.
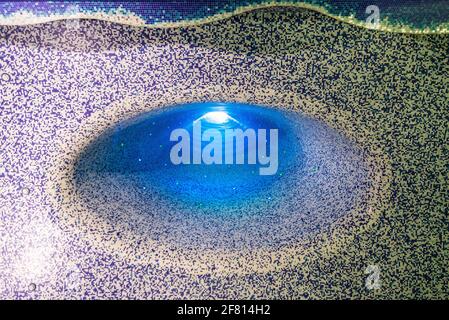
217,117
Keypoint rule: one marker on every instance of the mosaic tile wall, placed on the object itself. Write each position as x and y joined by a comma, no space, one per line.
63,83
417,16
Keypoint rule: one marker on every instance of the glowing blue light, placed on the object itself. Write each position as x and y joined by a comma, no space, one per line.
146,157
221,205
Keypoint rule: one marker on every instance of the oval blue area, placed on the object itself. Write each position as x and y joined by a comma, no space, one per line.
131,177
143,146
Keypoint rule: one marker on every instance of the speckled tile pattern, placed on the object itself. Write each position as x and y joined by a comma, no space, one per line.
61,85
